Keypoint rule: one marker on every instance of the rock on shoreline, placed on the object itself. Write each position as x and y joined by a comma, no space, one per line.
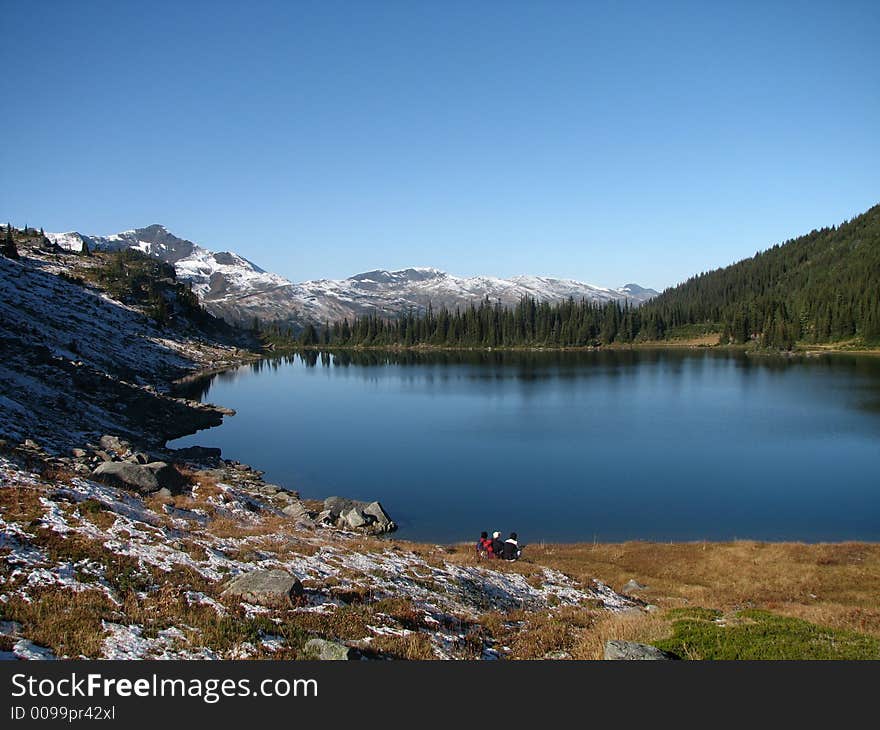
353,514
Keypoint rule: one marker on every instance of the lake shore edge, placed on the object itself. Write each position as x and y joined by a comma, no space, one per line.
696,345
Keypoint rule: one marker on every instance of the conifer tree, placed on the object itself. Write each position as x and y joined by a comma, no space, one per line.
308,336
10,250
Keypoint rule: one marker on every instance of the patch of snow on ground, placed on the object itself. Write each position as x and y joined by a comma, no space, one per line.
26,649
128,642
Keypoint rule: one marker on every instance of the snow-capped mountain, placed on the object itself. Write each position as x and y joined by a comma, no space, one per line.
228,285
392,292
238,290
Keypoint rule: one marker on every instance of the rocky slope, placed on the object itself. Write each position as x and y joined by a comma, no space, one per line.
238,290
78,363
224,570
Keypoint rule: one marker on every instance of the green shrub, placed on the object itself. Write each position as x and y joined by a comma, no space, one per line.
756,634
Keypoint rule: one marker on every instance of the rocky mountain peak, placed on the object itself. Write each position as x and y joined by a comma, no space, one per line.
234,288
635,290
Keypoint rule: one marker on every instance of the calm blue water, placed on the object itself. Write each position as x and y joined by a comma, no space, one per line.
661,445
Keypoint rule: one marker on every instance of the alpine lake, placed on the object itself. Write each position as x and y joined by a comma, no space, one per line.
652,444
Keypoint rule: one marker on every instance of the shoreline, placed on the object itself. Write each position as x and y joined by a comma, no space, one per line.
810,351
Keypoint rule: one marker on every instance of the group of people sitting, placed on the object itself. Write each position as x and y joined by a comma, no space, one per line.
494,547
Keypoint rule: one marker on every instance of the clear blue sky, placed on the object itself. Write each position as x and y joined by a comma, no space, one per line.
609,142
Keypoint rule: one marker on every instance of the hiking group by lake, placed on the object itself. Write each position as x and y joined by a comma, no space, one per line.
569,446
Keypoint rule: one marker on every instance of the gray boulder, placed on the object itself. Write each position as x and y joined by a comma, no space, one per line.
353,518
633,586
143,478
325,517
265,587
350,513
127,476
556,655
374,510
337,505
114,443
167,476
137,458
632,651
630,611
329,651
296,511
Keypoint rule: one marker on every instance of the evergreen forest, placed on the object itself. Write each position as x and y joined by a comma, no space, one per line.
822,287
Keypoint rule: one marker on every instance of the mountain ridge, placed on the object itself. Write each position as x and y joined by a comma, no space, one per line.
232,287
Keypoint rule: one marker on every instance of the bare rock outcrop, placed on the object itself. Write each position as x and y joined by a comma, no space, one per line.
265,587
141,478
632,651
354,515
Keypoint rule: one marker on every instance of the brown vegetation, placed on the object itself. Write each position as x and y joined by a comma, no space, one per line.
830,584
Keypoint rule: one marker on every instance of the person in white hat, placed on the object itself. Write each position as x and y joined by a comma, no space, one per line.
497,544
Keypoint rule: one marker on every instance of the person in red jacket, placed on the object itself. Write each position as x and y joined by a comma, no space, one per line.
484,546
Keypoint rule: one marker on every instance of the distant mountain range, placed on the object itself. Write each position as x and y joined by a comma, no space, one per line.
238,290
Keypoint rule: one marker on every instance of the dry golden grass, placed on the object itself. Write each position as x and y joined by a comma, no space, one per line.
411,647
69,623
832,584
645,628
346,622
285,546
223,526
21,503
536,635
202,487
570,632
57,473
96,513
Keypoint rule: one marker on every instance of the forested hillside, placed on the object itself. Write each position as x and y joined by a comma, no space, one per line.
819,288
